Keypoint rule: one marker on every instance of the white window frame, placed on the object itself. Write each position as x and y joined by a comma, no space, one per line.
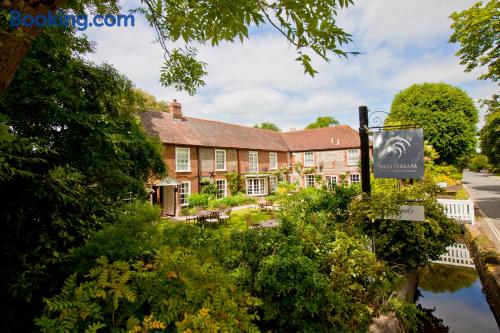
354,182
187,194
177,150
273,184
224,193
353,157
329,178
225,161
308,158
306,180
253,163
256,186
273,161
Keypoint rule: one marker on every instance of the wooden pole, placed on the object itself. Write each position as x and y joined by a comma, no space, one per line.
365,150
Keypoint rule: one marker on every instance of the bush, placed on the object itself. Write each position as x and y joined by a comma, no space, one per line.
478,163
199,200
130,237
209,188
231,201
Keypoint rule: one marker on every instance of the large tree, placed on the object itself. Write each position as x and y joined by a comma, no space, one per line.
490,133
477,30
308,25
321,122
446,113
70,151
268,126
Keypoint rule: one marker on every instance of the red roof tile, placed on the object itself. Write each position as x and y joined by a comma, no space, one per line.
209,133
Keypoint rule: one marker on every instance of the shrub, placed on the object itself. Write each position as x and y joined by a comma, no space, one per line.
209,188
130,237
233,182
199,200
478,163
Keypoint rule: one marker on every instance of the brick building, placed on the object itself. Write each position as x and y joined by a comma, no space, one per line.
199,150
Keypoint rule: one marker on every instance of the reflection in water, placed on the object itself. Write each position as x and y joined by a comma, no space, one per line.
454,300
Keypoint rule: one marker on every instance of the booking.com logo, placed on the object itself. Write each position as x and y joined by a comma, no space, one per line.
62,19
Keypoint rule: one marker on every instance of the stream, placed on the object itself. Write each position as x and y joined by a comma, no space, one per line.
454,301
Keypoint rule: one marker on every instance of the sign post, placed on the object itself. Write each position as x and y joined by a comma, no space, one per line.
365,150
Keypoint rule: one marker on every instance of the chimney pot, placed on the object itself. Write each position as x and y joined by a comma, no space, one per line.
175,108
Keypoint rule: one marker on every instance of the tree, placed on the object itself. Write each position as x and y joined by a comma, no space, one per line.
268,126
310,26
477,30
490,133
148,102
78,151
321,122
446,113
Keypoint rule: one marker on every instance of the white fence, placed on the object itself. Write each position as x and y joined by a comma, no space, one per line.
456,255
461,210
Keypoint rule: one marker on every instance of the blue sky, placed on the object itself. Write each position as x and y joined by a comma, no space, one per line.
402,42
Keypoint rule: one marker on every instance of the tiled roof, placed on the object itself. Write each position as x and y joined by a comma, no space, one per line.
209,133
327,138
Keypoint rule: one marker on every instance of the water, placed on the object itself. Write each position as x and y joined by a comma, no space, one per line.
455,294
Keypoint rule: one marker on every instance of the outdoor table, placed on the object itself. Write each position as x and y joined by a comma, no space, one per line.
269,224
204,214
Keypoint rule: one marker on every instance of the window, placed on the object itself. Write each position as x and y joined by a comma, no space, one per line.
182,159
220,160
310,180
185,192
308,159
353,156
273,184
331,180
354,178
273,161
221,188
253,161
257,186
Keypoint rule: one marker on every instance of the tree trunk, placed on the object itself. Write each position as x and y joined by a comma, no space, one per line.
16,42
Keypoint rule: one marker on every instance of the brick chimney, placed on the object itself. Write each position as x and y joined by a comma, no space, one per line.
175,108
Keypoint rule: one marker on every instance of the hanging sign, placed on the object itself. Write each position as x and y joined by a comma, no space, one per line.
398,154
408,213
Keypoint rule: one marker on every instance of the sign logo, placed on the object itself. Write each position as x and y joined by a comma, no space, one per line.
398,154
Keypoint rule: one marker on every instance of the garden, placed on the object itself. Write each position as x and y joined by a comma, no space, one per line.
314,272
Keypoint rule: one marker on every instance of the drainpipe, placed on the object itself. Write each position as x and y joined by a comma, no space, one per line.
199,167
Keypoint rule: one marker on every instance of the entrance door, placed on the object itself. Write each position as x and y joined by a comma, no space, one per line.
168,200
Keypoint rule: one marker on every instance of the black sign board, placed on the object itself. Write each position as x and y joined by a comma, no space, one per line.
398,154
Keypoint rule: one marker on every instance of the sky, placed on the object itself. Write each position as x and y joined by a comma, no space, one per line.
401,43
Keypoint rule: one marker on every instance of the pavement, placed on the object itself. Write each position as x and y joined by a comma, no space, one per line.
485,191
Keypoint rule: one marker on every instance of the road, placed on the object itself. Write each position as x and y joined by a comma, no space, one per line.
485,190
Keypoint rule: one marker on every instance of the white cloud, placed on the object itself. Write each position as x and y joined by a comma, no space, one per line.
403,42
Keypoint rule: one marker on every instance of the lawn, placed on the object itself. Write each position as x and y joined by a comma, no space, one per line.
237,221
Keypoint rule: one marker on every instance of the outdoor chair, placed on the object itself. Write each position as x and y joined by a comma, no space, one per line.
225,215
213,219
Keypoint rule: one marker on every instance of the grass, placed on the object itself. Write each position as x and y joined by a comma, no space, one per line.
462,194
237,221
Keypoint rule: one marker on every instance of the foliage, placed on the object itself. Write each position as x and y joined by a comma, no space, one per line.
490,133
268,126
74,149
446,113
405,244
442,173
207,187
233,182
148,102
476,29
478,162
310,27
130,237
305,275
199,200
321,122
